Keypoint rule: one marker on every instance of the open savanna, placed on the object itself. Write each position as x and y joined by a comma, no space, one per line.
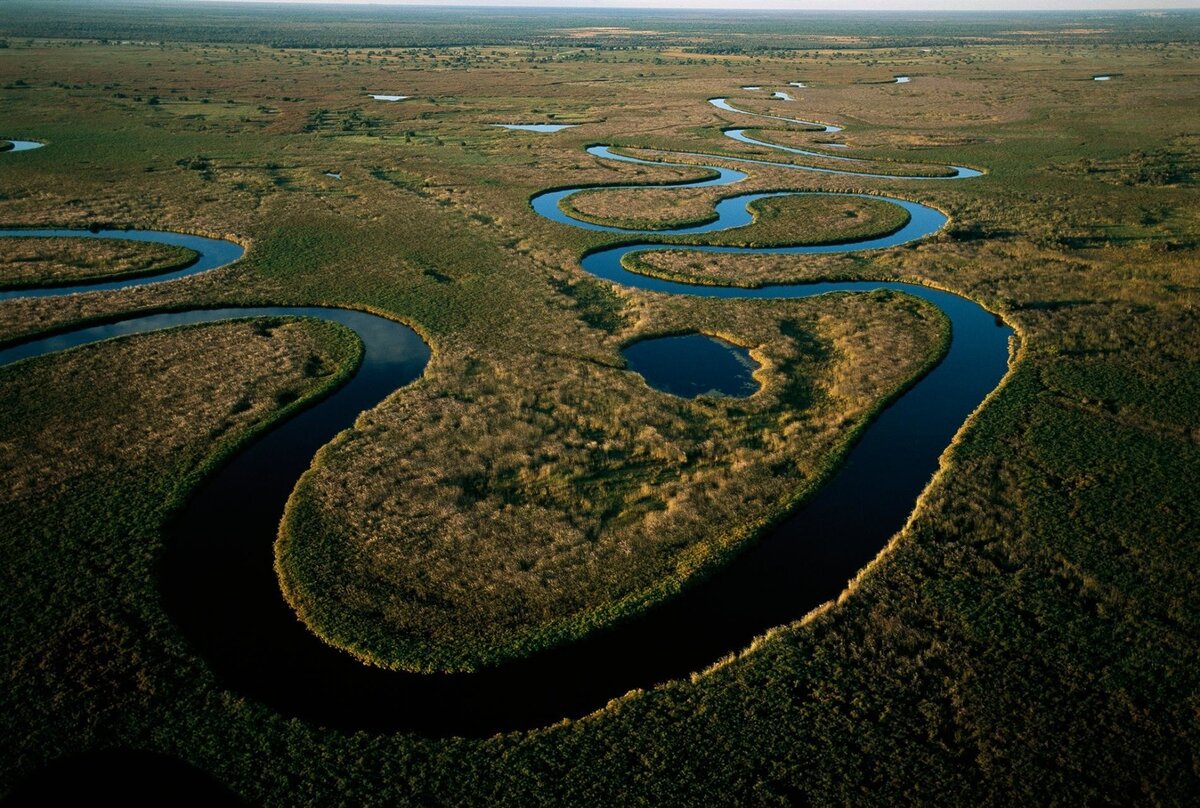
1029,637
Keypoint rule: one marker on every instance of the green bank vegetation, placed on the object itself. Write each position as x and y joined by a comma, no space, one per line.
60,261
1030,637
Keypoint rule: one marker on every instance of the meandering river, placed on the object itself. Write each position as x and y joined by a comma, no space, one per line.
217,577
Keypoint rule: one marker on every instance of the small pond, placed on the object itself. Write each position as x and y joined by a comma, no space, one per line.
536,127
693,365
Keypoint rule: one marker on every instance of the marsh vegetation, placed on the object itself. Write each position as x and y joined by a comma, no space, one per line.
58,261
777,221
506,498
1028,637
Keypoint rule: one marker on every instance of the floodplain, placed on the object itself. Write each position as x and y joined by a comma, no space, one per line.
1025,633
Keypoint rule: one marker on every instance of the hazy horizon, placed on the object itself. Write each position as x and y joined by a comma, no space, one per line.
782,5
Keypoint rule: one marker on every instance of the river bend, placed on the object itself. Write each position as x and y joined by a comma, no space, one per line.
217,577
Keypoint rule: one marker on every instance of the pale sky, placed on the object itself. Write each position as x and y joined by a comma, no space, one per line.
801,5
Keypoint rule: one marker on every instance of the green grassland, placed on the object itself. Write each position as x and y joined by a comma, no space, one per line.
54,261
1030,636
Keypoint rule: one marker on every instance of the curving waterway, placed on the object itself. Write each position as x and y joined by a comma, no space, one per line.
957,172
723,104
212,253
217,578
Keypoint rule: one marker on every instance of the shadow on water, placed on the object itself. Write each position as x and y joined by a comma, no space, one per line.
120,777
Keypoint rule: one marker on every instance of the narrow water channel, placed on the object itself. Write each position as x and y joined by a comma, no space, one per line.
217,577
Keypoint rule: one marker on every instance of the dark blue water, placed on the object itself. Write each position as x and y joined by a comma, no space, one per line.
693,365
729,213
213,253
734,211
218,582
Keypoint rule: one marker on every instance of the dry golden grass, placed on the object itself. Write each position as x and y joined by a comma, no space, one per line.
783,220
462,526
47,261
716,269
127,404
644,209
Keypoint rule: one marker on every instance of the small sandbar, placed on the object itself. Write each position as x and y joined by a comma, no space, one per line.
693,365
536,127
